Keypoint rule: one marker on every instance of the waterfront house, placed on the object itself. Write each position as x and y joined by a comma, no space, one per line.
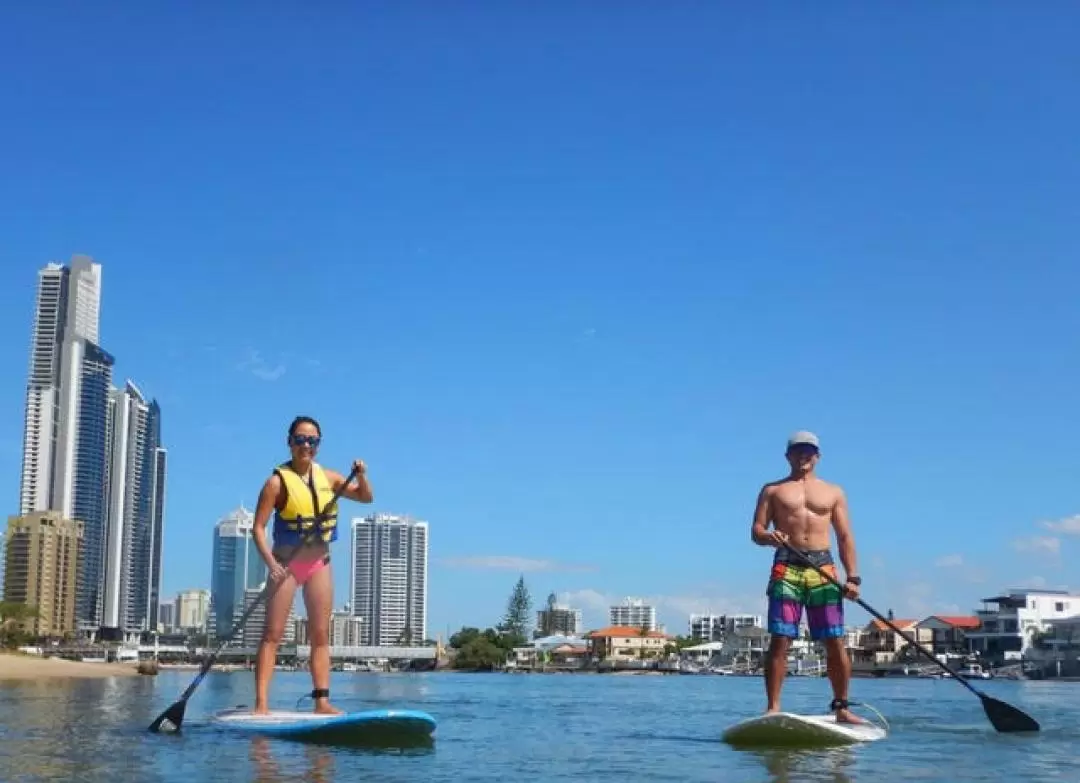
559,650
948,633
1012,621
881,644
626,641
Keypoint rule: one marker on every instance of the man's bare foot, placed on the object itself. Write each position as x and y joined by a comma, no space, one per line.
771,710
845,716
260,710
326,708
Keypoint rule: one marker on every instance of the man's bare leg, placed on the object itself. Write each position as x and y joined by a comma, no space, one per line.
277,611
776,670
319,600
838,665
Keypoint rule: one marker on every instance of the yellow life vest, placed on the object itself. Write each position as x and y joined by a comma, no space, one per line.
297,522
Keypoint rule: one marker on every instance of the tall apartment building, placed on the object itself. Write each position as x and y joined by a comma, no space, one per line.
388,583
3,561
66,318
237,567
42,569
136,481
633,612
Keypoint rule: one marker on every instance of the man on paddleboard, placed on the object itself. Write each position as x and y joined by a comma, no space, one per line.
299,493
802,508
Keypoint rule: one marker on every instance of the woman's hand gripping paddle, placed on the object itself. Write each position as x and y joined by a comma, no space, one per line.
173,717
1004,717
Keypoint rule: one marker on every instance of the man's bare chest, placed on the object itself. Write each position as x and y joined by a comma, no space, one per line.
793,500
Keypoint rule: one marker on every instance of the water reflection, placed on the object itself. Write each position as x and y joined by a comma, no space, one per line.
61,730
317,763
785,766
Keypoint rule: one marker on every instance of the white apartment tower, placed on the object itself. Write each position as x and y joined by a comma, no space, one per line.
389,578
66,312
136,480
633,612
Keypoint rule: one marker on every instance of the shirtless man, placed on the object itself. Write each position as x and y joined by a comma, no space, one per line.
801,509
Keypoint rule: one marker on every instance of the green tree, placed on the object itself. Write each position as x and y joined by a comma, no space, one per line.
13,617
463,637
486,650
516,621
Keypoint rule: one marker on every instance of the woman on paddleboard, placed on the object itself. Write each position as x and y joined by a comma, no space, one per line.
300,495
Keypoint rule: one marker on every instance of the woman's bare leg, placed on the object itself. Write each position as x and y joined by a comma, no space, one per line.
277,612
319,600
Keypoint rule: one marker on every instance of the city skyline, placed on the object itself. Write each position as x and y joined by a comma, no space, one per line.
93,453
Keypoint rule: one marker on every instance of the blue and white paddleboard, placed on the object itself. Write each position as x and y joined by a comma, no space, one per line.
361,726
791,729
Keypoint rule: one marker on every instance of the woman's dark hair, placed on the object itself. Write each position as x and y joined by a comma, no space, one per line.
304,420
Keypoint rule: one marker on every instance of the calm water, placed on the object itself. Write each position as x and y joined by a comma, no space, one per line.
530,727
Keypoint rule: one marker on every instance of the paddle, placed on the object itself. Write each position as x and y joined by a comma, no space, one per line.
1004,717
174,716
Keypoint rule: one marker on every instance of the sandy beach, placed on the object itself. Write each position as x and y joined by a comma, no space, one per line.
30,667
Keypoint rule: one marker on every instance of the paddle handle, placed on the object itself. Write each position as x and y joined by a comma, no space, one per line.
912,641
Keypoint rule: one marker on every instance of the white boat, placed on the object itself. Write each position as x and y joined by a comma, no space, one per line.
973,671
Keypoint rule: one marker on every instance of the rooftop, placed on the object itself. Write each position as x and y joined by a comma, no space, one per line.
625,632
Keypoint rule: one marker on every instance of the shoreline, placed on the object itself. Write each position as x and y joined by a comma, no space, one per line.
14,667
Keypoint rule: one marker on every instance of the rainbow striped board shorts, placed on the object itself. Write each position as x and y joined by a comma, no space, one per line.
793,585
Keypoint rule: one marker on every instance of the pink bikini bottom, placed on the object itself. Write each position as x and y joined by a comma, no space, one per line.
303,570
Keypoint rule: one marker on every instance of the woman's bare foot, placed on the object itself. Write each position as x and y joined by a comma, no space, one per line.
260,710
323,707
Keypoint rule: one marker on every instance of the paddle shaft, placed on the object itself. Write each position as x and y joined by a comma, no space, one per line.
209,662
887,622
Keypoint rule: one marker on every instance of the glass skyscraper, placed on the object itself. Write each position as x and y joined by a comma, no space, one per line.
237,567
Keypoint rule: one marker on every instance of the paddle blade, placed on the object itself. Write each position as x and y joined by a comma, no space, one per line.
171,719
1005,717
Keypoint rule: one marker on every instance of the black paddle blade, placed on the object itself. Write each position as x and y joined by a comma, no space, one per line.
1005,717
171,719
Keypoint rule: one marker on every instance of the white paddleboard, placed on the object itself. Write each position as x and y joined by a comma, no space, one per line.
791,729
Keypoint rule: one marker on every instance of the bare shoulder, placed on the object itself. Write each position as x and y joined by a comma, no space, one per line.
768,490
833,490
273,482
274,488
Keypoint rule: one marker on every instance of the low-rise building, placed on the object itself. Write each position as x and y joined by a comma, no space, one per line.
948,633
881,644
624,641
715,627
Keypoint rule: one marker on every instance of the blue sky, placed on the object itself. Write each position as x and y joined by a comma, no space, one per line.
566,279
